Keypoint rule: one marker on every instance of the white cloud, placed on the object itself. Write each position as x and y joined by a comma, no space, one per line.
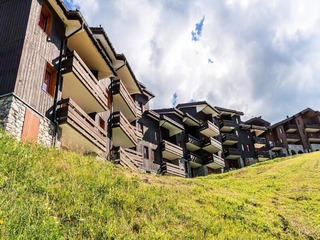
266,54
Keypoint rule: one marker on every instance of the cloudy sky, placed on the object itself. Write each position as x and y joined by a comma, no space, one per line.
259,57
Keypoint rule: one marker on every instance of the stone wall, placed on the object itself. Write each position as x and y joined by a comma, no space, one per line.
295,148
12,114
315,147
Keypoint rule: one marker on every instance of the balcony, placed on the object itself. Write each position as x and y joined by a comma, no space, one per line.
227,125
176,170
212,145
292,138
82,86
229,139
173,127
232,153
79,130
263,156
209,129
290,128
314,137
123,133
275,145
192,143
214,162
259,142
171,151
122,101
312,128
194,160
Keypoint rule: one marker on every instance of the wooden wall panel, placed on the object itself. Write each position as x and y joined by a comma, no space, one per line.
13,25
39,48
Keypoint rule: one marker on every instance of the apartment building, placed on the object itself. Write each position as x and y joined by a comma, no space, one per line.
54,76
63,84
299,133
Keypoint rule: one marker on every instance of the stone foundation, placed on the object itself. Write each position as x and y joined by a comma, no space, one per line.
315,147
295,149
12,115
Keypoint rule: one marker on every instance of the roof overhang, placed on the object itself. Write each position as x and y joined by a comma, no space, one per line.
173,127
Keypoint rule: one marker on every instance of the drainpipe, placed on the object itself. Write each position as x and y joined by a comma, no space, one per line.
56,93
110,117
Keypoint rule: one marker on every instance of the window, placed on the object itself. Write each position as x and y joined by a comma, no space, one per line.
145,152
109,98
140,126
237,133
156,135
49,80
280,130
248,148
102,123
45,19
153,155
242,147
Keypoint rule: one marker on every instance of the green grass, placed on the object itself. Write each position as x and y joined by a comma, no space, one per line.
50,194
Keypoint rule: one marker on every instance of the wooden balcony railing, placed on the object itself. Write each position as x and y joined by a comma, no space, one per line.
209,129
117,87
260,140
289,127
69,112
232,151
73,63
194,158
292,136
213,158
128,158
313,135
119,120
230,136
193,140
175,170
312,127
212,142
172,149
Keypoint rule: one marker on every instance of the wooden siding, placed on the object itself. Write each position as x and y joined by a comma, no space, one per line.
13,24
38,49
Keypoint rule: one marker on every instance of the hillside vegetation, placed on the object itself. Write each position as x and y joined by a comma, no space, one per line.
50,194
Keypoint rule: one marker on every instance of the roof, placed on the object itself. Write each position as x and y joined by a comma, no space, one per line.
258,119
170,110
229,111
207,109
288,119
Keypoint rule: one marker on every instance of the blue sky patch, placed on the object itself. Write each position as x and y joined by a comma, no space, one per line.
196,33
70,5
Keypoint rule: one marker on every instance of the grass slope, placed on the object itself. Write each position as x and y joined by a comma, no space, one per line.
49,194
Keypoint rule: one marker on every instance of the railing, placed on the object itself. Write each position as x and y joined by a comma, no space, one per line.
214,159
172,148
275,144
117,87
74,63
228,123
263,154
71,113
212,141
230,136
260,140
128,158
290,126
175,170
232,151
313,126
292,136
313,135
193,140
194,158
209,125
119,120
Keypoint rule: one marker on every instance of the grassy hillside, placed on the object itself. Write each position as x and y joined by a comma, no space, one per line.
49,194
